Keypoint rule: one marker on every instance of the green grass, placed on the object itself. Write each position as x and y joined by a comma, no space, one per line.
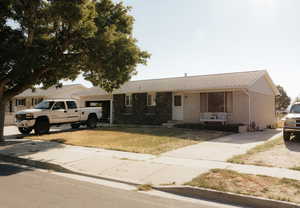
248,184
240,159
139,140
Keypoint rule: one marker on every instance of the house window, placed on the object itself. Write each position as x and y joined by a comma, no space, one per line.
177,100
216,102
128,100
20,102
151,99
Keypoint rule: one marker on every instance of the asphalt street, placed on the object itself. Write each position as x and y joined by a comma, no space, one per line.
22,187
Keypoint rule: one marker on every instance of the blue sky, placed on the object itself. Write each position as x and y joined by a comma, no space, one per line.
217,36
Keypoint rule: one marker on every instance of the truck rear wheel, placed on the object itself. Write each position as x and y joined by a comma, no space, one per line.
42,126
92,121
286,135
25,131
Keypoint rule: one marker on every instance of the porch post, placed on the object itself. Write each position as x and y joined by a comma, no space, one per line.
111,111
224,102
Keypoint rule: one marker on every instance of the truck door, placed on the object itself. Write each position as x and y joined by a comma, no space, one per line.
59,112
73,114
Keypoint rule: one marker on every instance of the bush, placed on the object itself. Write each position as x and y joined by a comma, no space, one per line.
210,126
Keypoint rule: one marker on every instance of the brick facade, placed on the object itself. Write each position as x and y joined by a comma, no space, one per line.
139,112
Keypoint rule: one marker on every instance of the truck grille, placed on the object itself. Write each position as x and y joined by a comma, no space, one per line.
298,123
20,117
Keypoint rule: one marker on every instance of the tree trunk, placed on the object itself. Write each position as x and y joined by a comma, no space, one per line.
2,116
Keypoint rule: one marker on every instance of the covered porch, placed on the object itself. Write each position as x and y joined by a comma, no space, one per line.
218,106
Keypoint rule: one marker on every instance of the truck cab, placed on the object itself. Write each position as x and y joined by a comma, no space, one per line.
56,112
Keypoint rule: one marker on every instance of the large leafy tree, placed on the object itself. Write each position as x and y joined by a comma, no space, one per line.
282,101
46,41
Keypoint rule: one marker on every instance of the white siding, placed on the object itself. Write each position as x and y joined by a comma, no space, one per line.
263,109
262,86
240,113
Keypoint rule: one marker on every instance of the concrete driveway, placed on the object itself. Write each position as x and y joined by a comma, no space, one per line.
223,148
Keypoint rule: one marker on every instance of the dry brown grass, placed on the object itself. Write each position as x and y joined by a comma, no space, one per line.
242,159
248,184
274,153
144,187
139,140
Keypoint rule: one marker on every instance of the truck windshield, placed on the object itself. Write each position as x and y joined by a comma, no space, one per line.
44,105
295,108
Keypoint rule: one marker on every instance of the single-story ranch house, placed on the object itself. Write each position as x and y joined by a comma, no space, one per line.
242,97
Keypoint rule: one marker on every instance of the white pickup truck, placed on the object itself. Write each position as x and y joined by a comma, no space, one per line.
56,112
292,122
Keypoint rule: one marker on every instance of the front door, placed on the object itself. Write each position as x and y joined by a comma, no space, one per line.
177,107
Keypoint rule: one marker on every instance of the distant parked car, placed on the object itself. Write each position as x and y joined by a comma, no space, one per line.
56,112
292,122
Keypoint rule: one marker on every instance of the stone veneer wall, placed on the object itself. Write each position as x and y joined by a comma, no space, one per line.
139,112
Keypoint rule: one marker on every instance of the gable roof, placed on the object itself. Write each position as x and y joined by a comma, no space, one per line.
65,91
235,80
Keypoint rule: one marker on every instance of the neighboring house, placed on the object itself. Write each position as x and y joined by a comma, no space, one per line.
30,98
241,97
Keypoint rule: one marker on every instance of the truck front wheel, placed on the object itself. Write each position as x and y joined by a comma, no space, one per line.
92,121
286,136
25,131
41,126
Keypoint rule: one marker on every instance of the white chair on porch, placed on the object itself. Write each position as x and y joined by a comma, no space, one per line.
214,117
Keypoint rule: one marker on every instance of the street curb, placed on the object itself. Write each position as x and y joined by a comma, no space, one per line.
226,197
58,168
187,191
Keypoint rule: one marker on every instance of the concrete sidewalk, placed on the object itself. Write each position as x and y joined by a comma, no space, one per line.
129,167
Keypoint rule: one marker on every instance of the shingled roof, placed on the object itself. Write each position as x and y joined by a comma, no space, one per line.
235,80
65,91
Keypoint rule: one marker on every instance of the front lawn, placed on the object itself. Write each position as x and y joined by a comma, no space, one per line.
139,140
246,158
248,184
274,153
